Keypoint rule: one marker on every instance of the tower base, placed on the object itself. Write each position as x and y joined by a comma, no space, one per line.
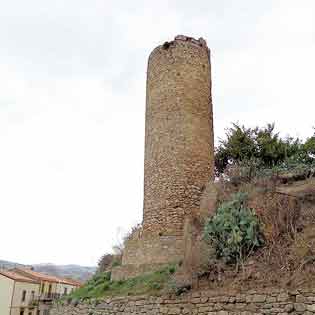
144,255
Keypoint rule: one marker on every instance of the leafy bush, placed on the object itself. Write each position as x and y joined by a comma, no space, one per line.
309,145
261,148
238,146
234,230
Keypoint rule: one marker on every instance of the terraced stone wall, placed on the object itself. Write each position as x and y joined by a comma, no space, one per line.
255,302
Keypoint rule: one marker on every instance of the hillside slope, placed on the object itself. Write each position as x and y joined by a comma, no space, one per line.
73,271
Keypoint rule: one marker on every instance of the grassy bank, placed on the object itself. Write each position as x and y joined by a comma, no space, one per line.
101,285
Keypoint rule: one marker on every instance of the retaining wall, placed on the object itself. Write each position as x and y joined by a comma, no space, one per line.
266,301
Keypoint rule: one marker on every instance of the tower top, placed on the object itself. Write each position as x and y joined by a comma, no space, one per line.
199,42
182,39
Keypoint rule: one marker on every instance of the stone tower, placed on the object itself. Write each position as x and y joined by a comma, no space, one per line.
179,134
178,151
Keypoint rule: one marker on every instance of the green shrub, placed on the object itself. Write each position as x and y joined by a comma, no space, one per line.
261,147
234,230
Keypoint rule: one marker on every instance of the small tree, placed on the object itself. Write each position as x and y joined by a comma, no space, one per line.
104,262
260,147
238,146
309,146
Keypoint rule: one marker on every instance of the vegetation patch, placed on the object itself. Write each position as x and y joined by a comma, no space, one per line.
101,285
264,220
261,149
234,230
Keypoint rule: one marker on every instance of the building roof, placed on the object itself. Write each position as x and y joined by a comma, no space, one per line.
72,282
44,277
36,275
17,277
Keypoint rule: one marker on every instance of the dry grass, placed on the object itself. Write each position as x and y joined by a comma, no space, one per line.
288,217
278,213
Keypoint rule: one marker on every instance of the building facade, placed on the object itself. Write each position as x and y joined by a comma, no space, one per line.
26,292
18,294
51,287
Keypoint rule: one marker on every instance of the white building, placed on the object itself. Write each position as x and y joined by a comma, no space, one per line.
26,292
18,294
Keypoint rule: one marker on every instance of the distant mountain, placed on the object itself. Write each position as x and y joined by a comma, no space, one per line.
8,264
81,273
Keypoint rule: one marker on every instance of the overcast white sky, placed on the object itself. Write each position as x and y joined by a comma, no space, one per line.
72,101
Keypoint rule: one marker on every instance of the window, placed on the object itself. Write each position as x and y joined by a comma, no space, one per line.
33,295
43,287
65,291
49,290
22,311
23,297
38,312
30,313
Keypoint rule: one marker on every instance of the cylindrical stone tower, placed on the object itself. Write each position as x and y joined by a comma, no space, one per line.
179,159
178,136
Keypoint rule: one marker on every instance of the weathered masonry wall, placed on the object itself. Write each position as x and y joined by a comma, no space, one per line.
143,255
153,250
179,154
271,301
179,134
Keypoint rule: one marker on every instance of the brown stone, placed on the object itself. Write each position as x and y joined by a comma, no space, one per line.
179,156
300,298
299,307
174,311
311,308
258,298
194,303
179,135
283,297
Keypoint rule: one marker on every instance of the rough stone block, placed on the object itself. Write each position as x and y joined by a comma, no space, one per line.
174,311
300,298
311,308
299,307
283,297
289,308
257,298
